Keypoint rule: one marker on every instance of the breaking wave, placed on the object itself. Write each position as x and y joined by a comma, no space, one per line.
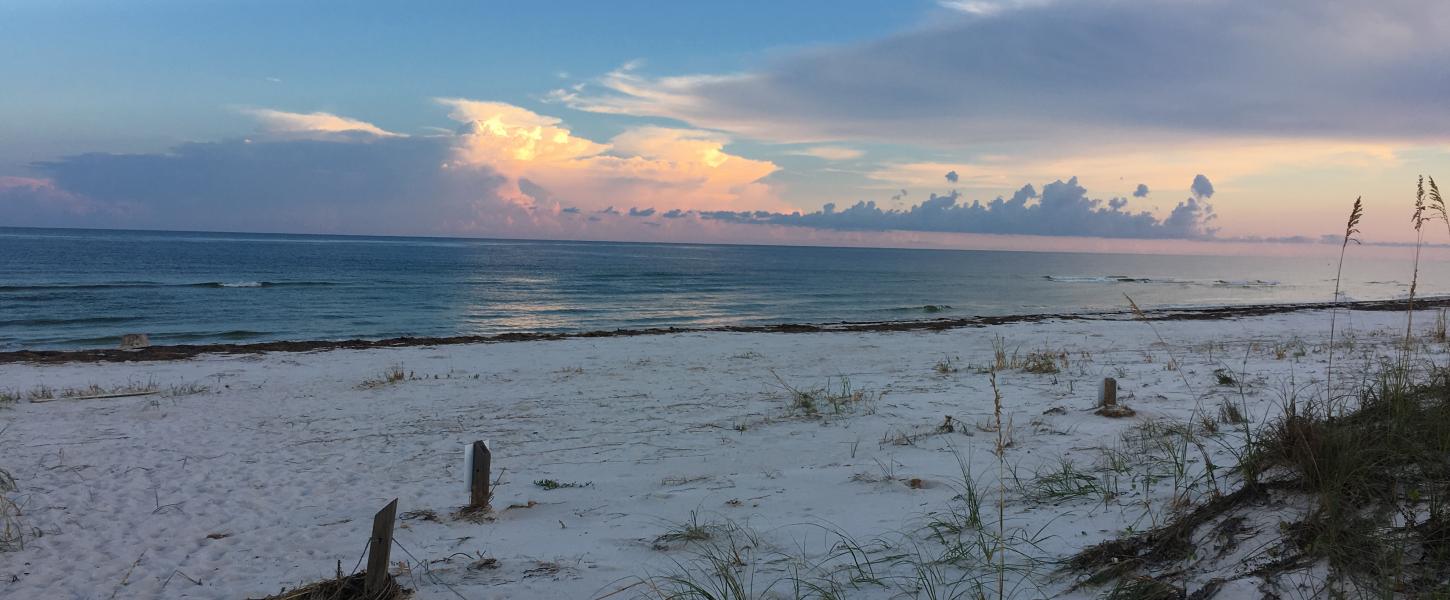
154,284
1115,279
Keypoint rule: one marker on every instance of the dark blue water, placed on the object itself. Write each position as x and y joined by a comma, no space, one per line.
85,288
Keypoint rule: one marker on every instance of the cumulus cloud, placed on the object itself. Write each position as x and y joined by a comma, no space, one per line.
1060,72
1202,187
1063,208
1141,191
659,165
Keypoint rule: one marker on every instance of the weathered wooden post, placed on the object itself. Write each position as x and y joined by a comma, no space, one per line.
379,546
478,476
1110,392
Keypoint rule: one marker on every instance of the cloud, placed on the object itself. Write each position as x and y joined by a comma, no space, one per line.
952,176
40,202
1075,72
503,170
1141,191
391,184
282,122
1201,187
654,165
990,7
1158,167
1063,208
830,152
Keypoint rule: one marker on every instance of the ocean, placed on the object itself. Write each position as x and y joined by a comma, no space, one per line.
68,289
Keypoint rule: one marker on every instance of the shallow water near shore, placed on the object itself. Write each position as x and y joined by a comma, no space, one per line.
67,289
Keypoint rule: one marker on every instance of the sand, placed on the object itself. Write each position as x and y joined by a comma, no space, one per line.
248,473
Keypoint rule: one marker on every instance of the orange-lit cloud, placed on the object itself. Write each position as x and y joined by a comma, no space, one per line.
658,167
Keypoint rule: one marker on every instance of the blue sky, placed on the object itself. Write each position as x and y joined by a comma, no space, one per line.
129,76
554,119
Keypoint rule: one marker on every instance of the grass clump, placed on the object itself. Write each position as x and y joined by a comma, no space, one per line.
1065,481
1038,361
835,398
390,376
1371,487
1378,479
97,391
693,530
344,587
550,484
186,389
12,531
1041,363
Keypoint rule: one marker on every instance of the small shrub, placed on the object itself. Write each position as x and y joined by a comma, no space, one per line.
1040,362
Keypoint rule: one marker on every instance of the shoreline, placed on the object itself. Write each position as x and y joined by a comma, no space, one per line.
187,351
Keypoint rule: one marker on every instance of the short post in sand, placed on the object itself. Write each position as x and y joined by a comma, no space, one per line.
478,474
379,546
1108,404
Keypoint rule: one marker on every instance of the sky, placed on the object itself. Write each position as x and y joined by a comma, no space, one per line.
1217,126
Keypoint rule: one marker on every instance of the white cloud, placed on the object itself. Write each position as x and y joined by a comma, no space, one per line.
830,152
282,122
990,7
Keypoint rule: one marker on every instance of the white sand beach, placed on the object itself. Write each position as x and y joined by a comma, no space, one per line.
246,474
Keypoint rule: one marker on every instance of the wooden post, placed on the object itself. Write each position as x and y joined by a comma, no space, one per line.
478,478
1110,392
379,546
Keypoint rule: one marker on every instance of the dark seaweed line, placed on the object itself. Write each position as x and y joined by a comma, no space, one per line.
184,351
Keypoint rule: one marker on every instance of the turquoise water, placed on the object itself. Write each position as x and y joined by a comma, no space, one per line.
85,288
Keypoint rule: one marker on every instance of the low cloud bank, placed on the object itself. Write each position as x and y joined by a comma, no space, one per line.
1063,208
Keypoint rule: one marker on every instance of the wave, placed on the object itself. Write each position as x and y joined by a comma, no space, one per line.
192,336
75,321
154,284
1115,279
1245,283
259,284
1107,279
